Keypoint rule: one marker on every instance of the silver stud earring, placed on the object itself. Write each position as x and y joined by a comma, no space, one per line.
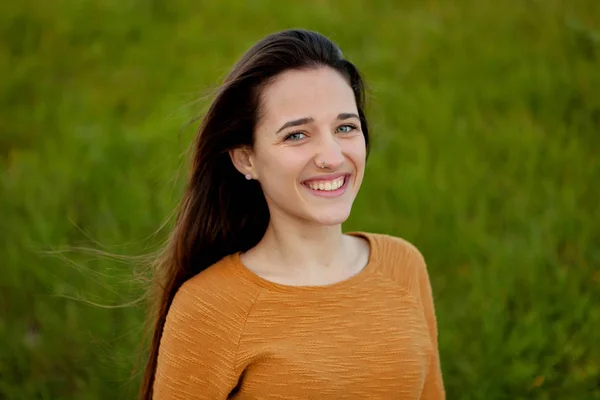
248,176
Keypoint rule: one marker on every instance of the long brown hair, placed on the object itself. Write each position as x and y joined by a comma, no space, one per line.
221,212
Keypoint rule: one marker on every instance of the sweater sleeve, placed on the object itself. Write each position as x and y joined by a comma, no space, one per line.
433,388
198,348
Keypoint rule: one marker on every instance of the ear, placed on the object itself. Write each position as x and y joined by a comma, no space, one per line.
241,158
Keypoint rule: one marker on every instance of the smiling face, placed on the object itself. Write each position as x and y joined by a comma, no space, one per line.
308,120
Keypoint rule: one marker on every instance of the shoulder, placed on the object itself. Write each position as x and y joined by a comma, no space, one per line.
214,301
216,290
399,260
199,341
394,250
394,246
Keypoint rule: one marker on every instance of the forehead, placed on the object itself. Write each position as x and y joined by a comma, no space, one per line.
318,93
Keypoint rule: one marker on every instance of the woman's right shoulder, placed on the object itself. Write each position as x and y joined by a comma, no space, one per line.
216,292
199,340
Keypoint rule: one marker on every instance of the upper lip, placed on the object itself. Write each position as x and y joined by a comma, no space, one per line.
328,177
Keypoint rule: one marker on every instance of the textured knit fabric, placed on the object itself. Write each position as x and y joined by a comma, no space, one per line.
231,334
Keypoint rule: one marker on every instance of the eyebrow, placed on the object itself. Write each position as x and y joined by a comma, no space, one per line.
306,120
343,116
296,122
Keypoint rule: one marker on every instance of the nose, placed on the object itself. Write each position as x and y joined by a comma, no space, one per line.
329,154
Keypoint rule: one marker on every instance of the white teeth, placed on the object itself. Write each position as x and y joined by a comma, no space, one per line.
327,185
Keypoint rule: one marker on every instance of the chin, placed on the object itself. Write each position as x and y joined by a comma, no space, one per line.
331,217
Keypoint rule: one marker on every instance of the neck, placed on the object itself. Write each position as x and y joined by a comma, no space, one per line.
305,247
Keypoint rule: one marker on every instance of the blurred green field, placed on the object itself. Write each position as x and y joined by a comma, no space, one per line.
486,154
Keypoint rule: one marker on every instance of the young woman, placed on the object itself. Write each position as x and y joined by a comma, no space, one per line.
261,294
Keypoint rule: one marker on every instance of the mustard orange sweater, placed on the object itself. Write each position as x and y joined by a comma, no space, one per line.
231,334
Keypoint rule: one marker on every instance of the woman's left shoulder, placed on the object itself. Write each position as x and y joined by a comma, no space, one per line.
399,259
394,248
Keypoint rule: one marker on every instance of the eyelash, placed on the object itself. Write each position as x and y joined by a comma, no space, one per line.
352,126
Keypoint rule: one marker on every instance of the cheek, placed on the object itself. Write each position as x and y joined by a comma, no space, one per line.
357,152
285,163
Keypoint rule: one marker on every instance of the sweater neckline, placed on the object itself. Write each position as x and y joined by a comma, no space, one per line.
350,281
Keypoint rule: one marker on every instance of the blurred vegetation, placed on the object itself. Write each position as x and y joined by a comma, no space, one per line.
485,119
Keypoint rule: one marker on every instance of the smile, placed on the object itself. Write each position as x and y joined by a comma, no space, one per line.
327,185
335,186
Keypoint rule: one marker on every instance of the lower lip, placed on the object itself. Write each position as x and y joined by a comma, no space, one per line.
331,193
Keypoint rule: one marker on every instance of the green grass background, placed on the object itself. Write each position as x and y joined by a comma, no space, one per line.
486,154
